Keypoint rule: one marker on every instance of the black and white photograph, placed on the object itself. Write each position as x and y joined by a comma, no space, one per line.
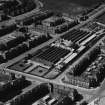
52,52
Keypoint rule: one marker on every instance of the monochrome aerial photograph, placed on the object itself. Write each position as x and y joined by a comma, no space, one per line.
52,52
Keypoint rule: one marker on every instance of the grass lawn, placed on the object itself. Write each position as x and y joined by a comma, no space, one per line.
69,6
